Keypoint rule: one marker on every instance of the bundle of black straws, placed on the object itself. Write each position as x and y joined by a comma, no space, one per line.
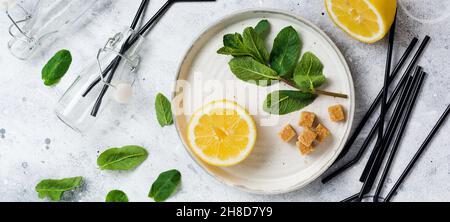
110,70
389,136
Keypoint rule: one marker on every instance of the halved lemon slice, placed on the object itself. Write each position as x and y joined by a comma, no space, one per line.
222,133
365,20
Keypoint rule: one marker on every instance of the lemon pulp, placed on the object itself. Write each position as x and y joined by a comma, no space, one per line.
222,133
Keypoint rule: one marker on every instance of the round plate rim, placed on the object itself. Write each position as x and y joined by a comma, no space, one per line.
352,97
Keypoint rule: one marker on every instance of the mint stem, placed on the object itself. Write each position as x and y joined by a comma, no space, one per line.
317,92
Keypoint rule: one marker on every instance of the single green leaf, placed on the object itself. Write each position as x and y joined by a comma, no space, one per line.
233,52
286,51
285,101
54,189
56,67
234,46
125,158
165,185
308,74
233,41
163,110
249,70
263,28
116,196
255,45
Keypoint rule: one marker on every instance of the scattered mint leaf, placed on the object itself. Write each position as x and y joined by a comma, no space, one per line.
163,110
116,196
165,185
56,67
309,73
249,70
286,51
125,158
285,101
54,189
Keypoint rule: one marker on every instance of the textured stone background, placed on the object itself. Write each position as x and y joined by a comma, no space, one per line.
34,145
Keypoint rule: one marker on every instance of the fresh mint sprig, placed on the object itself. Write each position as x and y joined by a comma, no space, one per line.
252,63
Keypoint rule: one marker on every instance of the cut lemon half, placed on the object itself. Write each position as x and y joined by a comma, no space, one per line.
365,20
222,133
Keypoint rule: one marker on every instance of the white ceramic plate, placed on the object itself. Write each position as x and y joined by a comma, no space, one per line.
274,166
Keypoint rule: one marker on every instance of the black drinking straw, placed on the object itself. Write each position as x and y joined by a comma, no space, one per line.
369,138
351,198
398,139
377,100
140,12
128,45
384,98
381,148
419,153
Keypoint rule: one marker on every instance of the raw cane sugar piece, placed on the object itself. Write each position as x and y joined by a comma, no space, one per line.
287,133
305,150
307,137
307,119
322,133
336,113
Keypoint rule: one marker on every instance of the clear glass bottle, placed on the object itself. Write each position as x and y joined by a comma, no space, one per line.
76,105
426,11
37,23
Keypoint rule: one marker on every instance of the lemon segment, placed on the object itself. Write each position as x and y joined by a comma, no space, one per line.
365,20
222,133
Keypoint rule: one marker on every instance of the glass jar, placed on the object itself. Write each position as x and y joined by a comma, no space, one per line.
426,11
76,105
37,23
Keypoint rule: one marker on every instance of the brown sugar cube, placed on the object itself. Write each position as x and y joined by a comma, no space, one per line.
307,137
336,113
307,119
287,133
304,150
322,133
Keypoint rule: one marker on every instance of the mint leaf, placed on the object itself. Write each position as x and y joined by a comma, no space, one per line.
263,28
249,70
234,46
56,67
285,101
255,45
234,41
54,189
125,158
165,185
233,52
116,196
308,74
286,51
163,110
